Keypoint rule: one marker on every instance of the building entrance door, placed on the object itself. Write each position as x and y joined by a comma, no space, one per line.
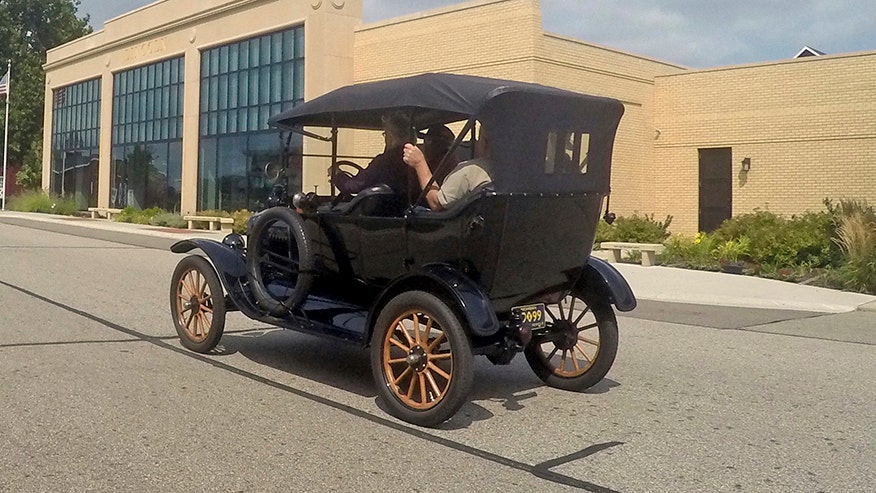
716,187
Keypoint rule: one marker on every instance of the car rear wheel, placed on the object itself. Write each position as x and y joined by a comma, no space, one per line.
279,261
421,359
579,344
197,304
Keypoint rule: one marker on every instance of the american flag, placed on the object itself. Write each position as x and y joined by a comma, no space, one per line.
4,84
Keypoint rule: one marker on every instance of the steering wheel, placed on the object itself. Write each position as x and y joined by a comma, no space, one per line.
350,164
345,172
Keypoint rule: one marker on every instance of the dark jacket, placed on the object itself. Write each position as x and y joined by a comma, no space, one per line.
388,168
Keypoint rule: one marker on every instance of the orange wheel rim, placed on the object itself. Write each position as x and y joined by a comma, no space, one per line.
194,305
417,360
576,350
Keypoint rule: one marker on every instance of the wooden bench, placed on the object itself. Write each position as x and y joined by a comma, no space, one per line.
649,251
215,223
108,212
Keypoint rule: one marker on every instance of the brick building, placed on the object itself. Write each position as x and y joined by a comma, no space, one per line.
806,128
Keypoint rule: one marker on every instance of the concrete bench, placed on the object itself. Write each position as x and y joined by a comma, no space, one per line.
215,223
107,212
649,251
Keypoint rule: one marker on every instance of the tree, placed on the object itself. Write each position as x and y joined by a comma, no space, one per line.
28,30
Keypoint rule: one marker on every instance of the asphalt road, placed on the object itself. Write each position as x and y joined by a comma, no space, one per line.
96,394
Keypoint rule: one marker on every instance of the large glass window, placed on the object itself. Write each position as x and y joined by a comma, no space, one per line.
242,84
75,142
147,136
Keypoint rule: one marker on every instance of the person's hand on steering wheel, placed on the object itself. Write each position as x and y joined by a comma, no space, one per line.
342,176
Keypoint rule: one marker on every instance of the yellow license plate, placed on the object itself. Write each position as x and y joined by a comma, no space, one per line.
533,316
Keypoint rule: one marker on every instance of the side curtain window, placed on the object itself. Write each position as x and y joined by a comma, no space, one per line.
566,152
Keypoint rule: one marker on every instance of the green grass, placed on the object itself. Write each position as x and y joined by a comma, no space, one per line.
40,201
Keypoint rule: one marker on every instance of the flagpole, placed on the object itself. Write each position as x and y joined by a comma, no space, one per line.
6,132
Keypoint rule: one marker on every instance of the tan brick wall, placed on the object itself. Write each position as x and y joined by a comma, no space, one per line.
504,39
584,67
808,126
494,38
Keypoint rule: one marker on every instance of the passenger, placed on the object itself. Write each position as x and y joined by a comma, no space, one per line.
465,177
388,166
437,141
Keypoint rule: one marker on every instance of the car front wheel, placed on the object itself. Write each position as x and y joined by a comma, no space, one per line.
197,304
421,359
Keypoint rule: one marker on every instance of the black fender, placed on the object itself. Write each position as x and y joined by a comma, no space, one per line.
446,281
607,281
229,262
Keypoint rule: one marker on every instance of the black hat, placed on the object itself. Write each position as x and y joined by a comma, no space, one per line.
438,132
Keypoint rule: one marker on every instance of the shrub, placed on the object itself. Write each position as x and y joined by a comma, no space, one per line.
732,250
847,207
693,252
604,232
778,242
240,219
136,216
40,201
856,235
635,228
169,220
240,216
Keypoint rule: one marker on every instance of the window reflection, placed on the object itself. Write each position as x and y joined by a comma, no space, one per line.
242,85
146,163
75,149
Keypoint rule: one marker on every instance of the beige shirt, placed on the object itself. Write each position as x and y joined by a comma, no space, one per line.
467,176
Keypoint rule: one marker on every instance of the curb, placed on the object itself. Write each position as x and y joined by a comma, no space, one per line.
868,307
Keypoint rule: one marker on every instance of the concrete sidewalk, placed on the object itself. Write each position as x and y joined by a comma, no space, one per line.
142,235
107,225
716,288
649,283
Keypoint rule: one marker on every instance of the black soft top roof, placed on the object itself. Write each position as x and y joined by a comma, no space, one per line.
430,98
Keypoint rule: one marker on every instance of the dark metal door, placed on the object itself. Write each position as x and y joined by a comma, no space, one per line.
716,187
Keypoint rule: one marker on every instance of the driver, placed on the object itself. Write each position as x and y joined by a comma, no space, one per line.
466,177
388,166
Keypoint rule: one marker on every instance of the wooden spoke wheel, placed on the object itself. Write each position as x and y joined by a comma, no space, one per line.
421,359
579,344
197,304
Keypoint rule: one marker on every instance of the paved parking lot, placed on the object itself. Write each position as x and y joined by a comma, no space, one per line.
96,394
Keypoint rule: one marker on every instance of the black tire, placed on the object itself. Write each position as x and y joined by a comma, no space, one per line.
424,375
579,345
197,304
279,251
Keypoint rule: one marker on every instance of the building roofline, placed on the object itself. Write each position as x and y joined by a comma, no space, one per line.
807,59
614,50
103,45
457,7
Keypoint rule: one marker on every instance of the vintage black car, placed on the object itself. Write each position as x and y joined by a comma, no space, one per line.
505,270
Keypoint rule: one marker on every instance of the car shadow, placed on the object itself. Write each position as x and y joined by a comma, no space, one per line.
340,365
347,367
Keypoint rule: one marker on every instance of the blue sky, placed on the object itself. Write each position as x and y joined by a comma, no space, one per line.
694,33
